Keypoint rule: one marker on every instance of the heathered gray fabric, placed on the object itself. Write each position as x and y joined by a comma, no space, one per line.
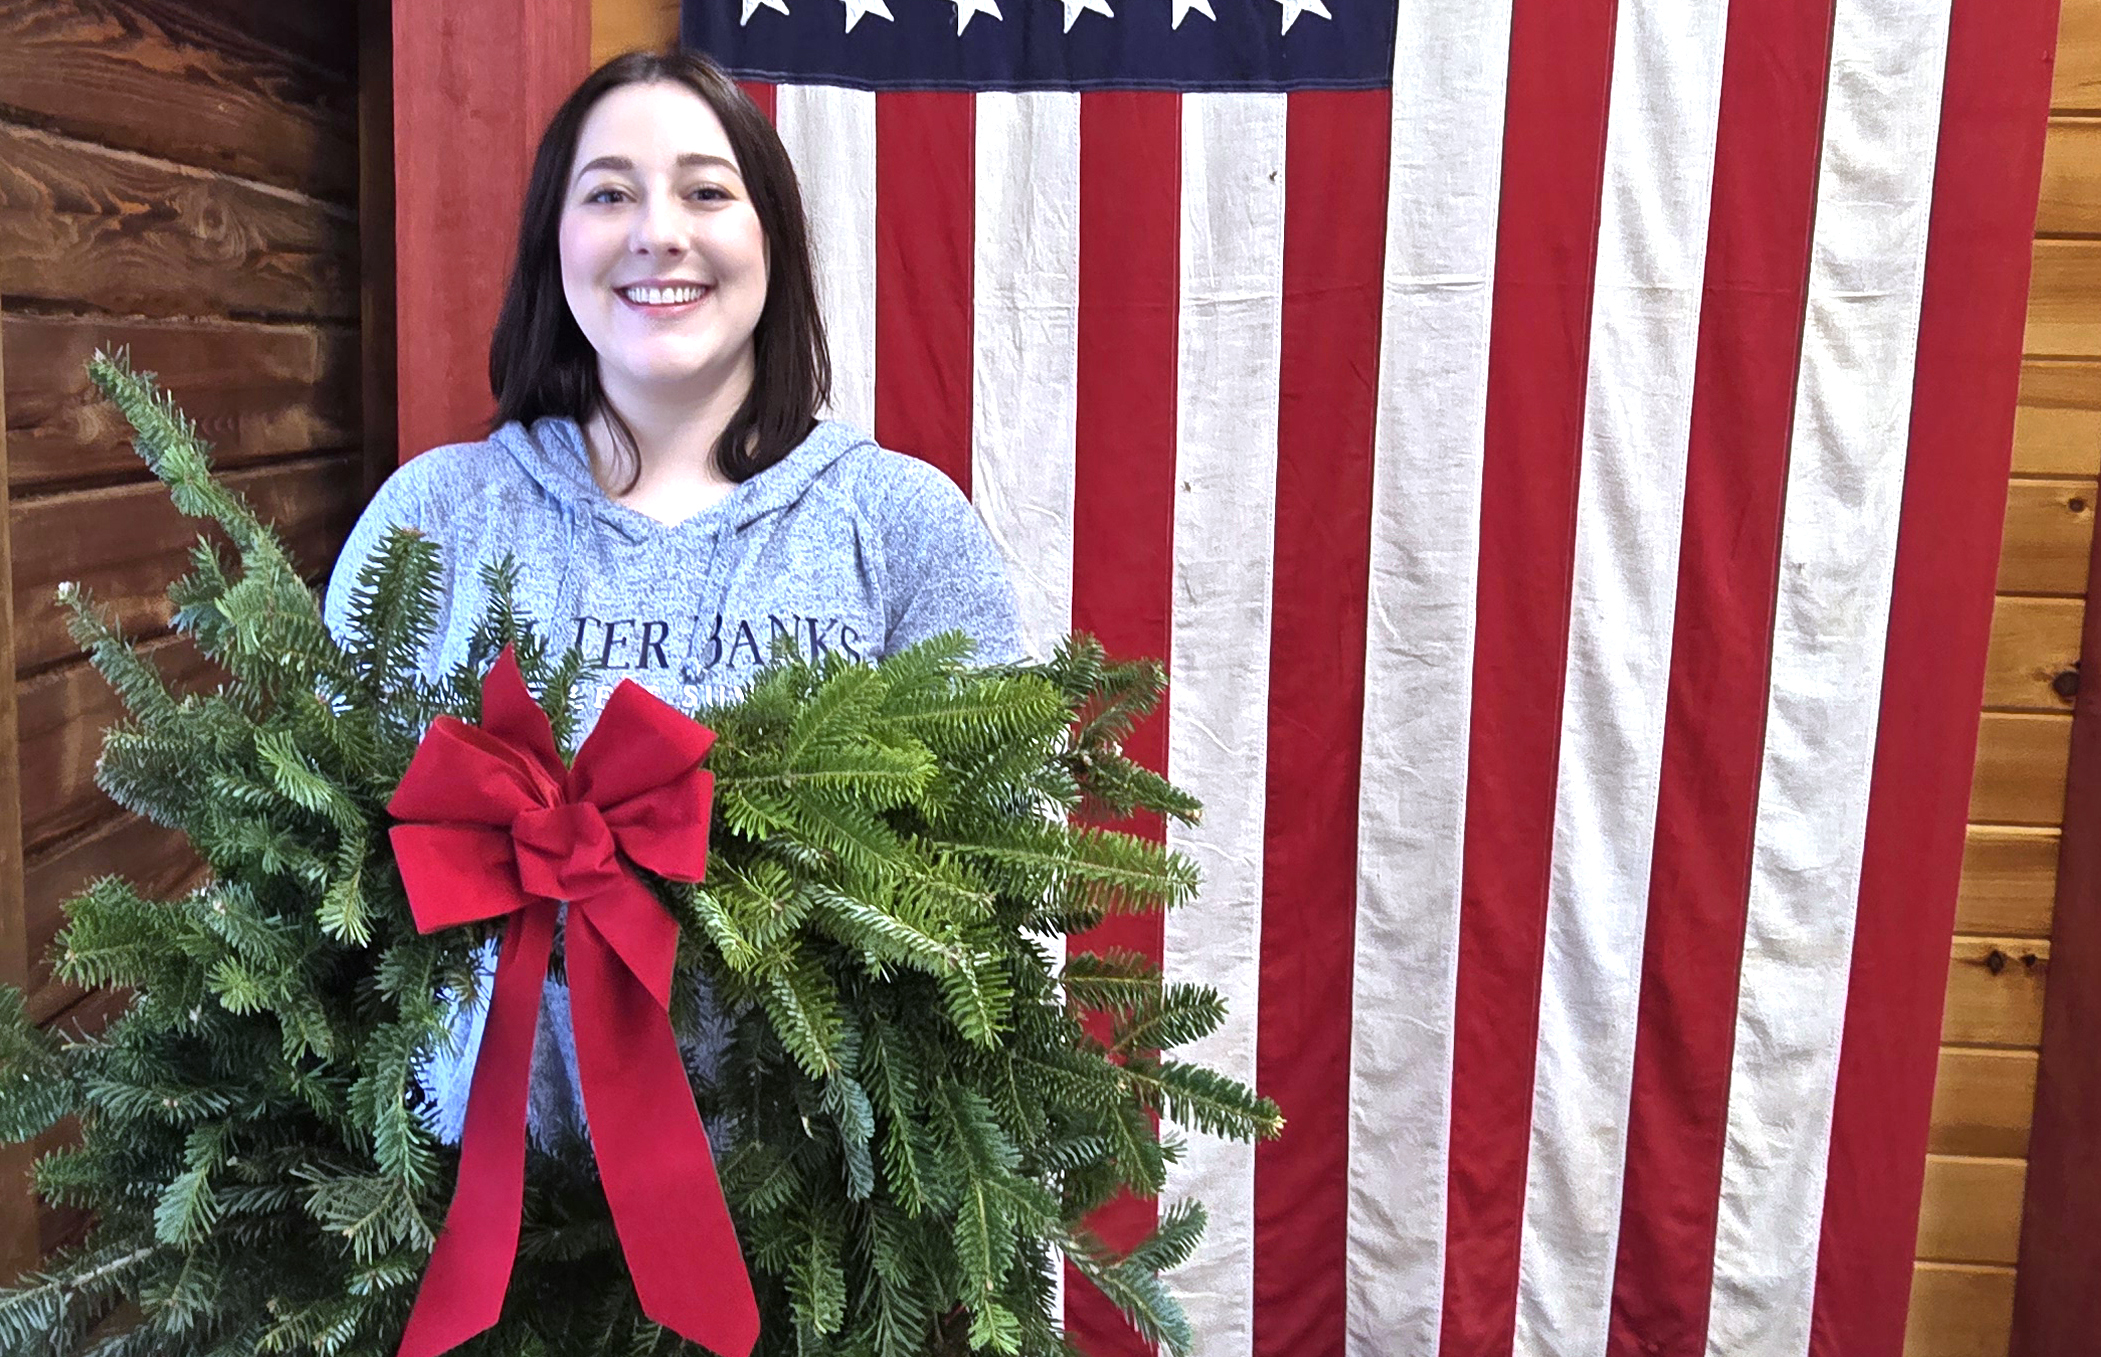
842,545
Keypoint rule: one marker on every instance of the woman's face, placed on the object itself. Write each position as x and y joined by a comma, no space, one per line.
663,261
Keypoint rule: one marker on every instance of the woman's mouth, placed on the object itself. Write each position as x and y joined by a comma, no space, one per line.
661,298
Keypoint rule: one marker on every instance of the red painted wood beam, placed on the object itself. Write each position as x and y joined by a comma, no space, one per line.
475,82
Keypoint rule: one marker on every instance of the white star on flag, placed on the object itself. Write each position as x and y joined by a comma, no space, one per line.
856,9
752,7
1294,8
967,9
1073,9
1183,9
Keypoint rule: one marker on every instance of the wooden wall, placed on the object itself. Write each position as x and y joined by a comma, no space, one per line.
1969,1228
178,176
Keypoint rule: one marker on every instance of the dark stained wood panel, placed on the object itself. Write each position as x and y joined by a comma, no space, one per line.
63,713
181,82
127,542
256,391
117,232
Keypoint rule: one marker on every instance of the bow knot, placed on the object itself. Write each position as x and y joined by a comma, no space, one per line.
493,826
565,852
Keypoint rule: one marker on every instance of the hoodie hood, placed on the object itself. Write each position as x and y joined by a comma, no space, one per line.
552,455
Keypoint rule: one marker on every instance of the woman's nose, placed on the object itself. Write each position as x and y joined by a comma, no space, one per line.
658,228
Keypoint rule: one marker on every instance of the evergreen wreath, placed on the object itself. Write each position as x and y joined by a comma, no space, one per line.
923,1102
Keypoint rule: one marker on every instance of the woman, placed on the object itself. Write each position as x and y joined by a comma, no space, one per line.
657,469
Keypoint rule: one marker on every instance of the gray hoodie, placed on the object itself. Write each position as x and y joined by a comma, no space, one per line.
842,546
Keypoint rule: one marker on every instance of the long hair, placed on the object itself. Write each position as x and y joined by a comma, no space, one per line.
540,364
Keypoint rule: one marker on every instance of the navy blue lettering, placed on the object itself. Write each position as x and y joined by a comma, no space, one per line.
612,638
820,629
849,641
663,630
714,656
745,641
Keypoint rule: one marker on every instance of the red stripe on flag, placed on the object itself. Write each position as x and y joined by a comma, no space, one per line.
1987,176
925,214
1123,496
763,94
1758,239
1334,257
1538,353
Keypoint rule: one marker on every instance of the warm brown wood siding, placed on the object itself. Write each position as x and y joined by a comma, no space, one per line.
180,177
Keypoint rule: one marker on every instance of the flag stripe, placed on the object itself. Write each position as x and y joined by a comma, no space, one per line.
761,93
1026,299
1838,545
1451,62
1757,270
1123,494
1232,264
1987,174
924,264
1644,334
830,134
1334,237
1560,70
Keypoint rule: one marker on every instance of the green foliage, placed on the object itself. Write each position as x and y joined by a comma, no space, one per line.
920,1107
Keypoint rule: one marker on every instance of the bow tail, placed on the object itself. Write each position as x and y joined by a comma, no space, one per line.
653,1154
462,1293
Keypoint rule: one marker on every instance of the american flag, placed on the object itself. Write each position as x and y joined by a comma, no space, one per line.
1559,447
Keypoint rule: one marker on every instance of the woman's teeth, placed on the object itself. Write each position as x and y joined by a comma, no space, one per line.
663,296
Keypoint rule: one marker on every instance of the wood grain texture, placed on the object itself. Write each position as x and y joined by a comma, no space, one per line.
64,712
182,82
2064,300
2021,761
1982,1100
1971,1211
122,233
2071,198
628,25
1995,992
255,391
127,542
18,1236
2049,532
158,861
2033,663
1959,1310
2057,425
2009,878
2075,79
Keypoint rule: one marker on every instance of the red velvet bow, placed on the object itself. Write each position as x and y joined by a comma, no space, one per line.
495,827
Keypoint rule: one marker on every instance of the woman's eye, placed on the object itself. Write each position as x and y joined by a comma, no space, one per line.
604,195
711,193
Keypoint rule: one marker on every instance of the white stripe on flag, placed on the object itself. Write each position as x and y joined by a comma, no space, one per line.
1838,551
1451,67
1644,337
1229,345
1025,347
830,135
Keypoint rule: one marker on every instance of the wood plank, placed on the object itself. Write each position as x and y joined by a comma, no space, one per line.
1959,1310
157,860
2033,662
379,378
119,232
2049,534
1982,1100
182,82
1971,1210
2076,78
628,25
64,712
2064,300
126,543
2021,762
2071,196
2057,425
18,1240
1995,993
255,391
2009,881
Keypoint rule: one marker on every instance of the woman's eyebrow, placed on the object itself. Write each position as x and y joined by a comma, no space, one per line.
686,161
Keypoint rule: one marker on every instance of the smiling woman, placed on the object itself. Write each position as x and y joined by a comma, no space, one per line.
658,474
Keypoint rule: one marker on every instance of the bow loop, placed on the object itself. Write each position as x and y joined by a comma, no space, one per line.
494,827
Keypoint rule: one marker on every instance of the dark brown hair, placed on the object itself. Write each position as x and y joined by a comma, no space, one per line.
540,364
